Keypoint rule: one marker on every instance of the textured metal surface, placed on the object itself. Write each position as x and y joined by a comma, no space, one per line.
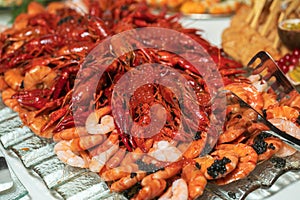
67,182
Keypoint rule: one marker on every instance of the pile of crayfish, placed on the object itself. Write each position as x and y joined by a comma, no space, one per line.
42,56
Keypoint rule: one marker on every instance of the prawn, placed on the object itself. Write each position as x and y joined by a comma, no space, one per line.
218,164
127,181
248,93
154,184
14,78
119,172
270,100
283,112
196,147
39,77
63,150
291,129
195,179
102,153
3,84
70,133
116,159
151,189
292,100
9,101
87,142
247,161
178,190
106,124
164,151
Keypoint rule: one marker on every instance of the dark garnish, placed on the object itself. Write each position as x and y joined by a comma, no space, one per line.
260,146
271,146
198,165
133,174
197,135
149,168
218,167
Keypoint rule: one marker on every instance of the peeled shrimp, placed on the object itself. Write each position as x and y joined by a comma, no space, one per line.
290,128
178,191
106,123
165,151
64,152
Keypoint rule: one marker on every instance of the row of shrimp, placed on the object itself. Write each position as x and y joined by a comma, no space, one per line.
45,50
282,113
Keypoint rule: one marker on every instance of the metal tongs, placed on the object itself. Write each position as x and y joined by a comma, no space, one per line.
271,73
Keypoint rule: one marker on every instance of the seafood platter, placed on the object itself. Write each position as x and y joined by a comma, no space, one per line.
99,102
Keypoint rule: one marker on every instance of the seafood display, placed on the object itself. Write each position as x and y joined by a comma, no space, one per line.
48,76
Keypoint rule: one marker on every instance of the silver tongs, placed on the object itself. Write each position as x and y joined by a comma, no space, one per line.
271,73
292,141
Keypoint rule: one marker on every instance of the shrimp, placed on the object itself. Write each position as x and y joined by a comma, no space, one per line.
195,179
3,84
154,184
164,151
291,129
248,93
36,123
283,112
196,147
106,124
270,100
39,77
14,78
10,102
132,157
104,152
70,133
119,172
218,164
87,142
151,189
127,181
265,145
292,100
247,161
116,159
63,150
178,190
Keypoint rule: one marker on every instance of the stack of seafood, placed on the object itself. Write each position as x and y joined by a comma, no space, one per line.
254,28
41,59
